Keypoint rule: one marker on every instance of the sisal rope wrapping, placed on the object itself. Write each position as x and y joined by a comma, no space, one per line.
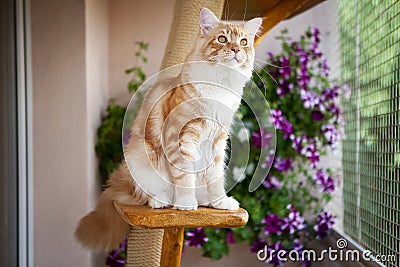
185,28
144,247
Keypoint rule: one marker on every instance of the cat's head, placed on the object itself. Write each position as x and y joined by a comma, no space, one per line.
226,43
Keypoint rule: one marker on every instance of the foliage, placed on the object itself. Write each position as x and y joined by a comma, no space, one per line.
136,72
287,210
109,143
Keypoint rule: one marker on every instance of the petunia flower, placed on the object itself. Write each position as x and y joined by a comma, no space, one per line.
324,224
311,153
285,68
230,239
330,133
271,182
275,253
115,260
293,222
325,181
197,238
273,224
283,165
257,245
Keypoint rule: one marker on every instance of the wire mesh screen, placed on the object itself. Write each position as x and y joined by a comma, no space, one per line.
370,65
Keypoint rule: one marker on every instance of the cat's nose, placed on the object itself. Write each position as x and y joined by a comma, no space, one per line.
235,49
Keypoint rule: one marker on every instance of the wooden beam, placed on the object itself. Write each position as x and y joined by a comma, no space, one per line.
279,12
172,247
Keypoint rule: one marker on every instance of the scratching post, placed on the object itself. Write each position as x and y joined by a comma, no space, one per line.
144,247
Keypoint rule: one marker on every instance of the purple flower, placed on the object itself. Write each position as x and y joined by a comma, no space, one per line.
283,165
325,181
325,68
331,94
317,115
297,245
271,182
315,35
330,133
309,99
124,244
257,245
293,222
284,87
324,224
285,69
334,110
271,57
311,152
276,118
114,259
261,138
315,50
197,238
230,239
304,79
275,255
303,57
287,128
272,224
281,123
297,142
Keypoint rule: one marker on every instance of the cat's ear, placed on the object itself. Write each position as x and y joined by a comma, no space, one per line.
253,26
207,21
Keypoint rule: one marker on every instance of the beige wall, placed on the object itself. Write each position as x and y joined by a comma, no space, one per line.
132,21
59,130
70,81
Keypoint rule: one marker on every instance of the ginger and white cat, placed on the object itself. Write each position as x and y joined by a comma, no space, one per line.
175,156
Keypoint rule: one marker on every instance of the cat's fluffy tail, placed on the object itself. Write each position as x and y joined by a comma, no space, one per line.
103,228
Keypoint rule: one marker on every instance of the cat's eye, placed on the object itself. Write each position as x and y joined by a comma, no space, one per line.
243,42
222,39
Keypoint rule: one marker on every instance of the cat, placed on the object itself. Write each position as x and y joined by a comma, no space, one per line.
176,151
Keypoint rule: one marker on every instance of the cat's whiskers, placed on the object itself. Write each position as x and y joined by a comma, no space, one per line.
245,10
266,72
226,10
273,65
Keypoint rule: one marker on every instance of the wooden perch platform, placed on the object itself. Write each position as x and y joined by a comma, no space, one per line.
146,217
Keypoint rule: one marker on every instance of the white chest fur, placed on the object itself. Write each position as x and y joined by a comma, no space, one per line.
221,84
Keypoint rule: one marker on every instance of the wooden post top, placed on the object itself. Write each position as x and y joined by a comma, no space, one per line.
147,217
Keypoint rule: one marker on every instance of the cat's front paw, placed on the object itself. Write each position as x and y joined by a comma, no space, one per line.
226,203
157,203
185,203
